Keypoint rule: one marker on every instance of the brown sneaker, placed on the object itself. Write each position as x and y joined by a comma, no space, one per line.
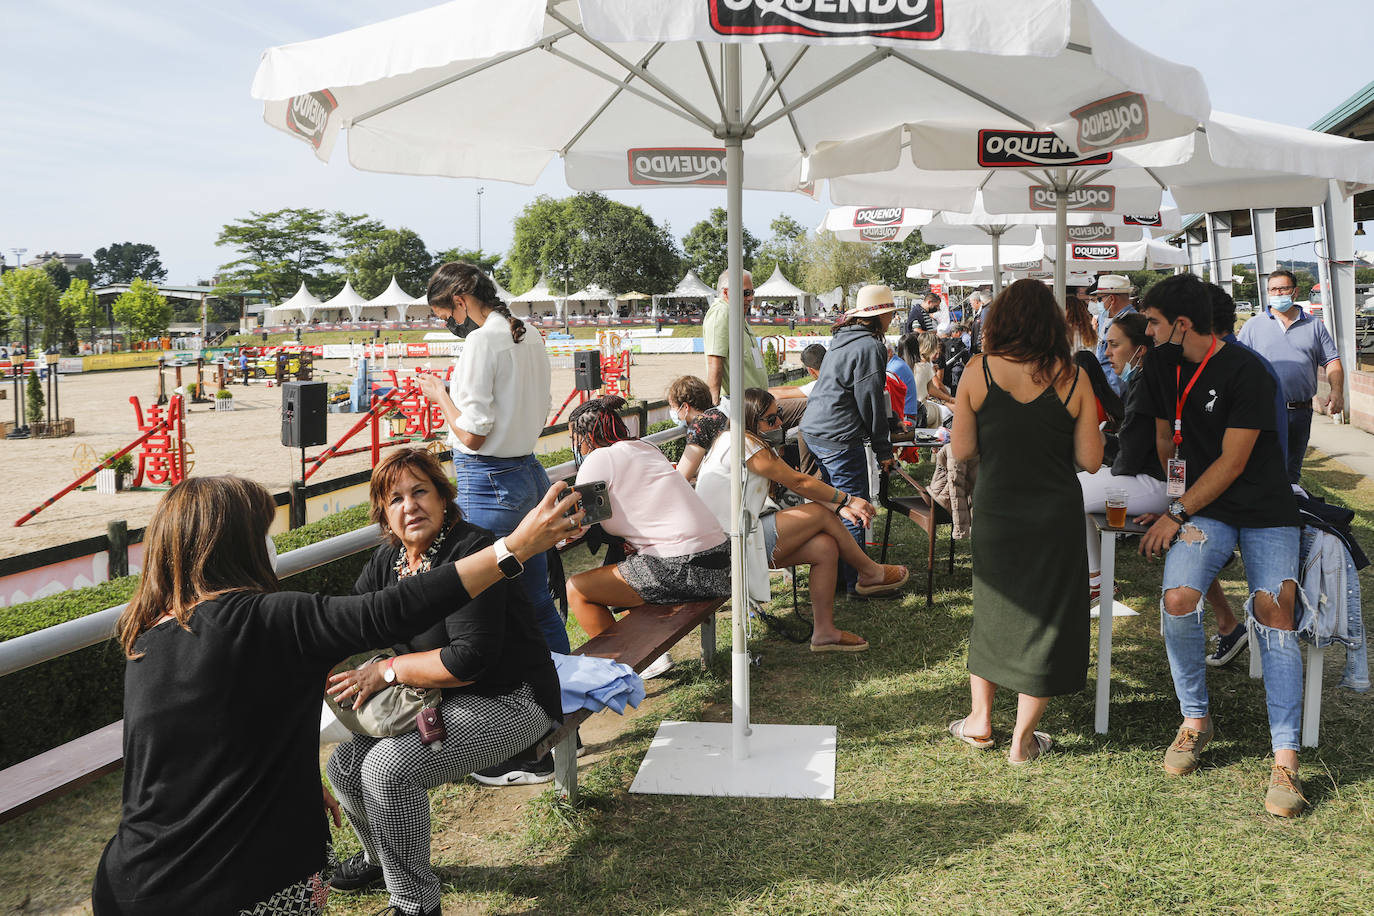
1284,798
1184,755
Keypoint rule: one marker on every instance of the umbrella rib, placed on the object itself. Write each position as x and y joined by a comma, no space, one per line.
546,41
711,78
606,104
778,80
805,98
643,74
777,85
958,87
688,116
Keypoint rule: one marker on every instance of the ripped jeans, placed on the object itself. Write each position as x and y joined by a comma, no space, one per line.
1271,558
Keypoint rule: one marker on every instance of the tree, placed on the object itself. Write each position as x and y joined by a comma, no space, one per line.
706,251
589,238
58,273
146,313
124,262
377,257
891,259
82,306
28,294
281,249
831,263
35,401
785,248
84,271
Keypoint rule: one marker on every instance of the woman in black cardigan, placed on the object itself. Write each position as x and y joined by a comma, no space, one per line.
500,688
222,796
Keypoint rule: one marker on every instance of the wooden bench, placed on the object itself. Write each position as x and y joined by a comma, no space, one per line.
925,512
33,782
636,639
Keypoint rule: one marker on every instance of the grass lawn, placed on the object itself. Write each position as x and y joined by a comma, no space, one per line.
920,822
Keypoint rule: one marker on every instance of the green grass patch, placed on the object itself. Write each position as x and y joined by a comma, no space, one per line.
920,822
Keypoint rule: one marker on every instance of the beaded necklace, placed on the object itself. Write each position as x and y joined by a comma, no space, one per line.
403,570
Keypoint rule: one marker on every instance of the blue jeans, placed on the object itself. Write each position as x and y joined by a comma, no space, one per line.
1271,558
1299,432
846,469
496,493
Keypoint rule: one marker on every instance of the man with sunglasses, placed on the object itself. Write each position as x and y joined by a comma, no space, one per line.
716,331
1297,345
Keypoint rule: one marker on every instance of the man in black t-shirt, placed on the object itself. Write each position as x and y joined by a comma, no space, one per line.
919,319
1228,487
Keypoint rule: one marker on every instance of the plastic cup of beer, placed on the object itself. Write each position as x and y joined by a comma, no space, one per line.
1116,508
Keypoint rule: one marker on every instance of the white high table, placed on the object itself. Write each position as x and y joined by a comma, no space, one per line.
1104,622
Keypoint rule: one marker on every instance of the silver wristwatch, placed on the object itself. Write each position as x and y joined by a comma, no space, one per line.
508,562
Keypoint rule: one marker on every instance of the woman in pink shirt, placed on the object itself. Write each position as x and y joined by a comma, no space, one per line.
677,550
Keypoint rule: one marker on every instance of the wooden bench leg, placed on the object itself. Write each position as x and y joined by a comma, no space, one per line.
565,767
708,641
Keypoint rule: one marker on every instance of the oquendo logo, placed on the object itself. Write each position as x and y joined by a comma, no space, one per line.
1093,197
1093,232
878,216
913,20
1019,148
308,114
1094,253
1117,119
678,166
879,233
1151,219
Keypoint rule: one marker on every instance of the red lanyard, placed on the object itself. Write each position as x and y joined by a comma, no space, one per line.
1178,411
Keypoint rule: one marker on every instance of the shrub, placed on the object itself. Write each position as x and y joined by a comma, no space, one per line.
770,359
33,410
223,393
124,464
192,389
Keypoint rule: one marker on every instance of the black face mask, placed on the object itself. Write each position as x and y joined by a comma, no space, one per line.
1170,353
460,330
774,437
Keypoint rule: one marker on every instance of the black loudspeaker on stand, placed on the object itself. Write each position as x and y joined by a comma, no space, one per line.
587,370
303,414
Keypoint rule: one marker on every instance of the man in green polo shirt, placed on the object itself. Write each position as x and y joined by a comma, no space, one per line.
716,331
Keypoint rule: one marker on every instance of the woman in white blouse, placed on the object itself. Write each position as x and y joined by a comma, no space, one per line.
496,405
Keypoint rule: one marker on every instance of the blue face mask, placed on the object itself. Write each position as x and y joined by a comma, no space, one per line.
676,418
1129,370
1282,303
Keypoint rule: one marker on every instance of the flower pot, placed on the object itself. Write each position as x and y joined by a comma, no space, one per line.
224,403
108,480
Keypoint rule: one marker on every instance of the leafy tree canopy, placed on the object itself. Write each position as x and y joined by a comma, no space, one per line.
785,248
81,307
375,257
27,294
124,262
589,238
283,248
58,273
833,263
706,251
891,259
143,310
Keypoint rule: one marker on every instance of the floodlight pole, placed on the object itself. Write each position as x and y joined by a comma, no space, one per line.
739,580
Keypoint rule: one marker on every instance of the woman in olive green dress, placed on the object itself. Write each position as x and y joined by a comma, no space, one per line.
1026,410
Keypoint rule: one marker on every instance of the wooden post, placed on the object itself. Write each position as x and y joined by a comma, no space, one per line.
117,533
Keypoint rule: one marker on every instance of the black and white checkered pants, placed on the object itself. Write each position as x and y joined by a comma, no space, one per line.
383,783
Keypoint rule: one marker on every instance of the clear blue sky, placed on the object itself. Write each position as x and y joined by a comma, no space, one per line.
132,122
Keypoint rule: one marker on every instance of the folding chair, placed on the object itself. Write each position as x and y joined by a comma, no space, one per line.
925,512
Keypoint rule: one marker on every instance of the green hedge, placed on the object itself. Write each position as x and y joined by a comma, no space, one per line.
55,702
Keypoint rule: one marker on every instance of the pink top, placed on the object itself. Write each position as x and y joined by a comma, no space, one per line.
653,507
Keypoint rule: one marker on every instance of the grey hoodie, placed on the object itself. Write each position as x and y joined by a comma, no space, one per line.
849,403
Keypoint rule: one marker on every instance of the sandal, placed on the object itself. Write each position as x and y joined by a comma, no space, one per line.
888,586
1043,743
848,642
956,728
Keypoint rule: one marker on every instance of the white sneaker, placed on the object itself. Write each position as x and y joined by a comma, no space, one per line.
658,666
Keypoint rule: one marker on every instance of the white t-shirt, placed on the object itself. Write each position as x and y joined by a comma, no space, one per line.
713,479
653,507
502,389
806,389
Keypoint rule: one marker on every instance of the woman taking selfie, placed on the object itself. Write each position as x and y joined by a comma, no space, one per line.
222,807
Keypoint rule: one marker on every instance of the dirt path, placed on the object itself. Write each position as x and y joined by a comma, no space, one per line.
246,441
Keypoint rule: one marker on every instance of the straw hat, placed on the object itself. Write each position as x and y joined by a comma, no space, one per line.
1110,283
874,299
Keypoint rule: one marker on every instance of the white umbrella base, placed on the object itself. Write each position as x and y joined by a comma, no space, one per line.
694,758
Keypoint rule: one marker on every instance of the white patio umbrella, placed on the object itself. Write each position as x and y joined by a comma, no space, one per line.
671,93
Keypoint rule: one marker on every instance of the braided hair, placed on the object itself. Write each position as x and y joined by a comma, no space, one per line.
459,278
597,421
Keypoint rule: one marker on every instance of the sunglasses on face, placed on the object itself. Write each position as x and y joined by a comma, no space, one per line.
748,293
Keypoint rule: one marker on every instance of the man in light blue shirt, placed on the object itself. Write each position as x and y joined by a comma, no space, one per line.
1297,345
1115,292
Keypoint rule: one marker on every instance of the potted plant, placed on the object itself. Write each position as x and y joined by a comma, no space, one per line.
193,390
110,478
224,399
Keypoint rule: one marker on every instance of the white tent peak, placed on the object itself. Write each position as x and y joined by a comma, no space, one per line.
778,286
303,297
592,291
345,298
690,287
537,293
393,295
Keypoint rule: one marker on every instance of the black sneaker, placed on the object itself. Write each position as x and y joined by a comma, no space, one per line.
517,772
394,910
356,874
1229,646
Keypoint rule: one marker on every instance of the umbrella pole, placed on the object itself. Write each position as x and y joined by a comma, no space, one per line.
739,579
996,261
1061,234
